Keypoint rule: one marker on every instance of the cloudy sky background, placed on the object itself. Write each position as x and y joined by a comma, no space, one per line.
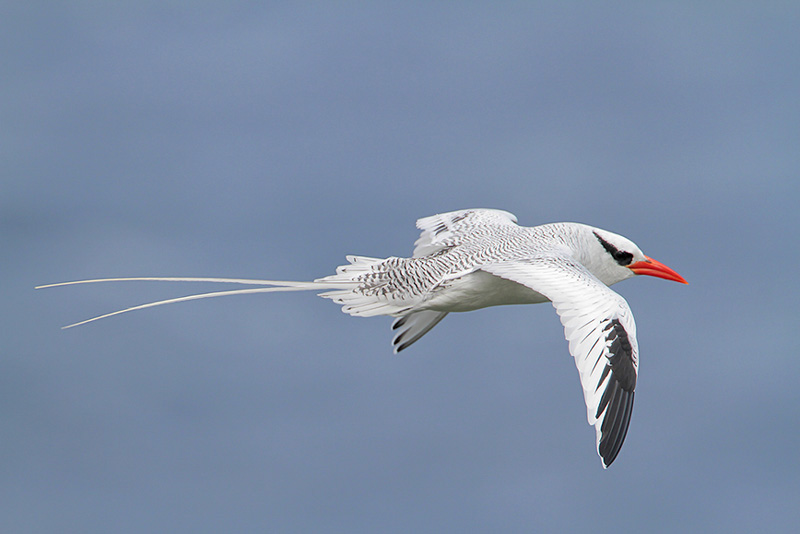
269,140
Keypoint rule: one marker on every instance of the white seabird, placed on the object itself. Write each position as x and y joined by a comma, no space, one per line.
470,259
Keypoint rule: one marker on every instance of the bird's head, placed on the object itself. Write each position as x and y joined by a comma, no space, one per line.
613,258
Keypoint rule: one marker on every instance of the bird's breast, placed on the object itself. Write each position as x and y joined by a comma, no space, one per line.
480,289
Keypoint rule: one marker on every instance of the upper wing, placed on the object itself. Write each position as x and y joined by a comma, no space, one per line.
602,338
446,229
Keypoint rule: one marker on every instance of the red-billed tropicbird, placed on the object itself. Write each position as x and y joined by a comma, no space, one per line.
470,259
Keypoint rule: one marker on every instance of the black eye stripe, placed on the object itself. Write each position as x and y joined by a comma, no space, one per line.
620,256
611,249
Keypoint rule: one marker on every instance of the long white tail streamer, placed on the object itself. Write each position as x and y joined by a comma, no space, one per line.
246,281
282,285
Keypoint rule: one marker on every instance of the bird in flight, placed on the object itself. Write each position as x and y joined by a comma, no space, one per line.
470,259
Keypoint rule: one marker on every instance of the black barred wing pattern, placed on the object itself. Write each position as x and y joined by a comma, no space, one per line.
445,230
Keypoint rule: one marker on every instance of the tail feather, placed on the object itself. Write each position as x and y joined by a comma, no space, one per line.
186,298
246,281
354,301
347,273
341,287
277,286
352,287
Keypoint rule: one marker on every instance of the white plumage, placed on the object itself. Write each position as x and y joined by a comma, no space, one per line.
470,259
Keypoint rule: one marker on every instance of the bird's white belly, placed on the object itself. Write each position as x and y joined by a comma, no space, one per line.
480,290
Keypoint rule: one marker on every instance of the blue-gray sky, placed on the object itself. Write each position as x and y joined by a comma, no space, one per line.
269,140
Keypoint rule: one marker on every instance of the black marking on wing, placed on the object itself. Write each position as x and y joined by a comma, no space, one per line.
399,343
402,346
400,322
617,399
445,225
410,336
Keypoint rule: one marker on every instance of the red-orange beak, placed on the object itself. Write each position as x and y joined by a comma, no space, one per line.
655,268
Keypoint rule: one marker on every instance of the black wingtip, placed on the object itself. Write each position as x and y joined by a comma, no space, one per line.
616,403
615,425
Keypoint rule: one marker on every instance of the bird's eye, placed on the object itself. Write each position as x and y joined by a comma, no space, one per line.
620,256
623,258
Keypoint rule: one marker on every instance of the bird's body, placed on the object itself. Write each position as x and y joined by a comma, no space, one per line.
446,271
471,259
